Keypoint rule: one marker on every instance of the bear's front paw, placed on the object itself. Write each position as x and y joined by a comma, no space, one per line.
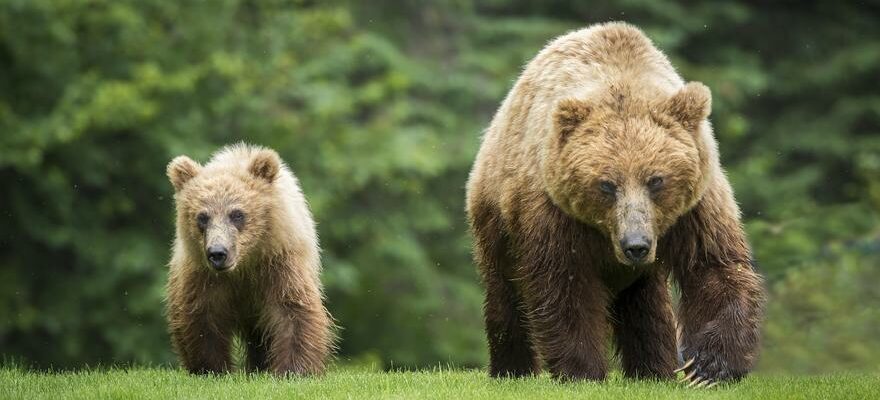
706,369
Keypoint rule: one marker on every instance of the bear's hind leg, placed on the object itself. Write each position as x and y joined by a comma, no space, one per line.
256,345
510,349
644,329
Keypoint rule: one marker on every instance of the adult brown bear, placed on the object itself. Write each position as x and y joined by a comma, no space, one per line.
598,176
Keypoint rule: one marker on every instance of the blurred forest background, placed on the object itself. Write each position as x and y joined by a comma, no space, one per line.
378,107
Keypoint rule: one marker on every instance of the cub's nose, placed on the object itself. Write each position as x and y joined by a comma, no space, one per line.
217,257
635,248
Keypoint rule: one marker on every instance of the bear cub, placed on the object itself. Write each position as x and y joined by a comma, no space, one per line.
245,262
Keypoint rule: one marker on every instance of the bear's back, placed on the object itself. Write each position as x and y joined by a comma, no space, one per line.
582,64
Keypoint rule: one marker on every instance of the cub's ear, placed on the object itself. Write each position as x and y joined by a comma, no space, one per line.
265,165
570,114
691,105
180,170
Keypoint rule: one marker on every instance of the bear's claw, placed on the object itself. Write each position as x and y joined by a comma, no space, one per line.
694,377
683,367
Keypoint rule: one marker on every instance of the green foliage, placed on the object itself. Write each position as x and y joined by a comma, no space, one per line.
130,85
826,316
377,106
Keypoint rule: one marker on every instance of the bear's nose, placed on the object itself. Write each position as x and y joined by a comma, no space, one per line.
636,248
217,257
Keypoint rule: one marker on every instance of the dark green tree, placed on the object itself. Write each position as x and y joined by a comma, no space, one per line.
378,108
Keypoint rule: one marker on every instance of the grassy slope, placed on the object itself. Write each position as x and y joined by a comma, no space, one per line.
442,384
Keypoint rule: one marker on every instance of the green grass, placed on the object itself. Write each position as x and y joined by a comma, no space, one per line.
16,383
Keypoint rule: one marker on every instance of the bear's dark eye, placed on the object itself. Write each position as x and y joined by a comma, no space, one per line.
202,221
608,188
655,183
237,218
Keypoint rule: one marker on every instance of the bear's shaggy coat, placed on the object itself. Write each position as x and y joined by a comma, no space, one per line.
268,289
599,142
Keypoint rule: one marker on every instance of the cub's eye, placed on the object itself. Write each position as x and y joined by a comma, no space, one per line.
202,221
655,183
237,218
608,188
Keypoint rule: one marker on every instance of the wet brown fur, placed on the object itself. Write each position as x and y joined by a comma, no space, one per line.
603,104
271,296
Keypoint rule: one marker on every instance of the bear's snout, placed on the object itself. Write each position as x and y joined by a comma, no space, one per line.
217,256
636,247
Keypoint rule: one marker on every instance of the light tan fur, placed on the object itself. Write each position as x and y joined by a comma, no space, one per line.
271,293
565,173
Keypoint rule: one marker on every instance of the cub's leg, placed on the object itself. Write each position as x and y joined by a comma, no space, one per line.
300,332
644,329
510,349
256,344
200,323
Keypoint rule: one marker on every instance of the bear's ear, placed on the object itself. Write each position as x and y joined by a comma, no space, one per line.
265,165
570,114
691,105
180,170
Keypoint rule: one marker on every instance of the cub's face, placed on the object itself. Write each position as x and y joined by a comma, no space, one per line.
222,213
630,174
